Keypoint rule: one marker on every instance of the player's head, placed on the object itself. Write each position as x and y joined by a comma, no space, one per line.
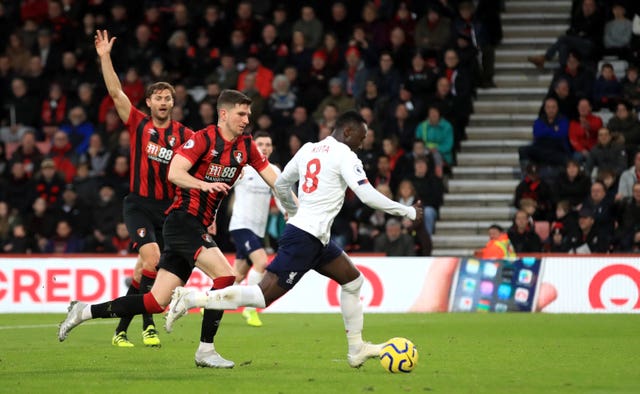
234,109
350,129
160,98
263,142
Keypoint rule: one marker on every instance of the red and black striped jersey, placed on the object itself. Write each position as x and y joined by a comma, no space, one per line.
151,150
214,159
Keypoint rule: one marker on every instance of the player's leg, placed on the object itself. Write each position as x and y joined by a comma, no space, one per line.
152,302
342,270
120,338
259,260
150,256
242,267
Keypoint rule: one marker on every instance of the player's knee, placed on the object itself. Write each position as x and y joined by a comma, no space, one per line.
151,305
150,262
354,286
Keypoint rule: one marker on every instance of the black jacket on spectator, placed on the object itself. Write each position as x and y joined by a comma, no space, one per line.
527,242
575,191
597,240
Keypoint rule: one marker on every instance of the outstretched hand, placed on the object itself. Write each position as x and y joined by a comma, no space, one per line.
103,43
211,187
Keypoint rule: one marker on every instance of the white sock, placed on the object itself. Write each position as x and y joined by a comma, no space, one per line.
86,313
254,278
205,347
233,297
351,308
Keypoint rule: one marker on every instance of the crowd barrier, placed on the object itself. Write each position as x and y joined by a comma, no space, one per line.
408,284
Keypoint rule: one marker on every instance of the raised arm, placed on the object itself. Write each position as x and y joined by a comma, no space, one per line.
111,80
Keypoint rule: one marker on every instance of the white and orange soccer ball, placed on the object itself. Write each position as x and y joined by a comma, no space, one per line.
399,355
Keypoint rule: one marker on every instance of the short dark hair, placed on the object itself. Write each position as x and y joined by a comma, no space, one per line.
160,86
230,98
349,119
496,227
261,134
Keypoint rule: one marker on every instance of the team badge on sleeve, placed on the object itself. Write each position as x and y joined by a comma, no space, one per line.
207,238
141,232
189,144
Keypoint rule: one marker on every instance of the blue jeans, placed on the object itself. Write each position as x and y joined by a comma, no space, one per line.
430,215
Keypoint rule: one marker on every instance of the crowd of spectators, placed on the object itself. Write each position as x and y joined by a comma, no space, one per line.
580,191
410,67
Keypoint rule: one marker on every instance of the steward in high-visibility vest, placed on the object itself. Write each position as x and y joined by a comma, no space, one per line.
499,246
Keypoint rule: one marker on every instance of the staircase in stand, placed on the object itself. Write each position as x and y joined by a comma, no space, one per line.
484,180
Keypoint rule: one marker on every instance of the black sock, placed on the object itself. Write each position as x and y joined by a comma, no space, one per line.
127,306
145,286
123,325
210,323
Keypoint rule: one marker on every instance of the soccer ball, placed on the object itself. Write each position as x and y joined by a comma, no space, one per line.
399,355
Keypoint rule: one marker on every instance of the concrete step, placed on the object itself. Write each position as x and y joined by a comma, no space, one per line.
492,146
554,30
486,172
453,252
538,6
513,107
536,18
470,227
500,132
487,159
476,213
513,93
502,120
523,79
537,43
478,199
460,241
472,186
524,66
515,55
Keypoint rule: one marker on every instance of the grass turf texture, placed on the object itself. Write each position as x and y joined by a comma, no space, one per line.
459,353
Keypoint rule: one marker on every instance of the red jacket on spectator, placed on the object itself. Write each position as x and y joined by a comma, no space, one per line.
64,159
54,115
264,80
584,138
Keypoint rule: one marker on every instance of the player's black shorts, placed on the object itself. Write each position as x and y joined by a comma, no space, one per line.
299,252
246,243
184,236
144,218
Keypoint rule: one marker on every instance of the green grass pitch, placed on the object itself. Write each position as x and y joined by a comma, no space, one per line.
300,353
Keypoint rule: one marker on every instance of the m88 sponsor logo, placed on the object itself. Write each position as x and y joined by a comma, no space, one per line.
159,153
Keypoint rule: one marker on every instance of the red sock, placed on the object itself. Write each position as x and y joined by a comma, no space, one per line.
223,281
151,304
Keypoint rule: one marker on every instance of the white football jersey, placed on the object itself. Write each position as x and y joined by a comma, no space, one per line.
252,199
324,170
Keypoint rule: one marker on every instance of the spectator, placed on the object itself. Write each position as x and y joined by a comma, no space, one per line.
48,184
558,240
281,102
592,238
310,27
624,124
468,25
118,175
398,48
86,186
446,103
550,138
629,222
87,100
403,126
340,22
522,234
333,51
354,75
226,74
567,102
21,111
629,178
386,75
631,87
63,155
272,51
580,78
617,32
17,189
566,218
607,89
601,207
19,241
572,185
54,107
72,74
585,35
206,116
498,246
583,132
393,242
264,76
374,98
368,154
303,127
121,240
433,33
461,83
8,220
437,134
300,54
607,154
336,97
64,240
281,22
535,188
18,54
105,214
79,130
430,190
28,154
185,100
142,49
421,79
